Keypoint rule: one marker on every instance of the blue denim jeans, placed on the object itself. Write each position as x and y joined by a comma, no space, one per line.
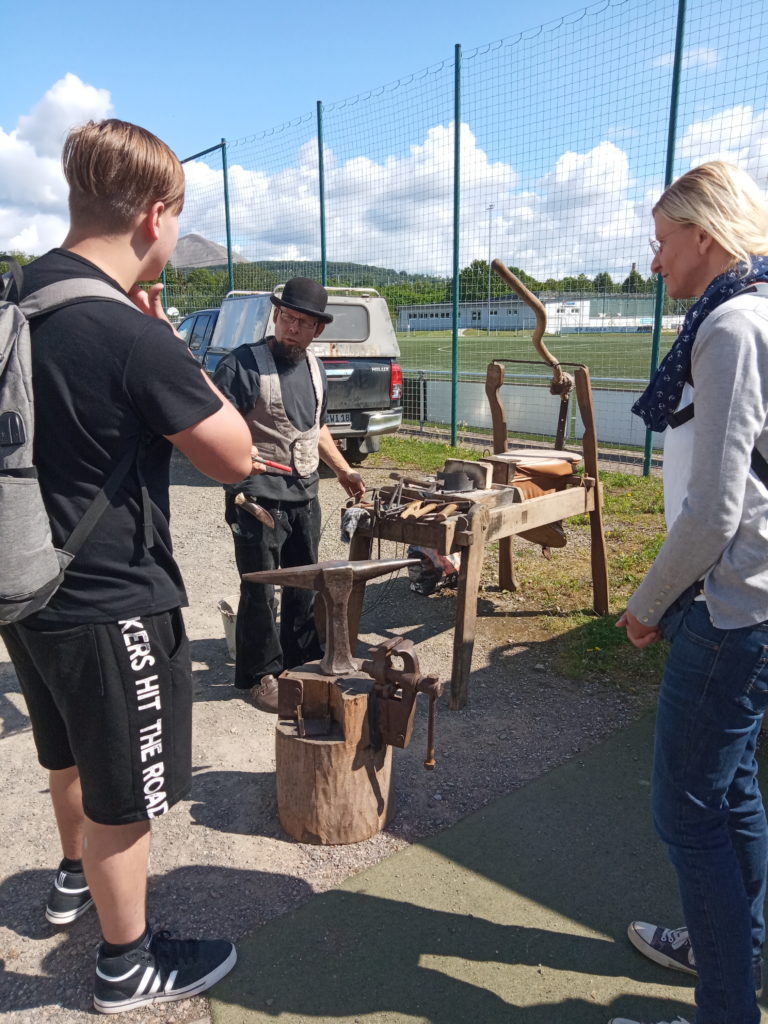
707,806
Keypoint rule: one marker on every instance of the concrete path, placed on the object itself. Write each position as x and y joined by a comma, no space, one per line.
518,913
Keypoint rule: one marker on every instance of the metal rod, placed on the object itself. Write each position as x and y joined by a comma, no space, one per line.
321,188
668,172
456,221
203,152
490,212
269,462
225,170
430,762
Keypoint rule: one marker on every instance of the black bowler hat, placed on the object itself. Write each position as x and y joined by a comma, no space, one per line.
305,296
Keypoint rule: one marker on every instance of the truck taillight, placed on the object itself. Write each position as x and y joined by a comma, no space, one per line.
396,383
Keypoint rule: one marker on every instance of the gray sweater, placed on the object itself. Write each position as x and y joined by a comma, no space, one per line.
721,533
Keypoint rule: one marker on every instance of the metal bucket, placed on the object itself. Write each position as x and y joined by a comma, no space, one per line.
229,619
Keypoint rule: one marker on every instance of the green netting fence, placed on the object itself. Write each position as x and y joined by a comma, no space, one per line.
545,149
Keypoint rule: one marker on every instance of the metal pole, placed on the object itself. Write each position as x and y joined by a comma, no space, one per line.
456,218
668,172
490,208
225,170
321,188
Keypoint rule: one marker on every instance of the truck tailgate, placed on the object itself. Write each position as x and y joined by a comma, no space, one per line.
356,383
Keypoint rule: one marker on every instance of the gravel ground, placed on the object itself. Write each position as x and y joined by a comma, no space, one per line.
220,862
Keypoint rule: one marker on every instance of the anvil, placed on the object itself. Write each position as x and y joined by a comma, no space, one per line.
334,582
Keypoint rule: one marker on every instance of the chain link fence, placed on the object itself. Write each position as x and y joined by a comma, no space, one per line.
567,134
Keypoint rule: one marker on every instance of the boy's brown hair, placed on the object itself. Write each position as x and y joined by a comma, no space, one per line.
115,170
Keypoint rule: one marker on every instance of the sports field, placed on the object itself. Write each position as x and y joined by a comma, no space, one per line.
624,359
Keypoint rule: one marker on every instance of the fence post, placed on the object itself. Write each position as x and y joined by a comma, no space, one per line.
668,172
321,189
456,220
225,175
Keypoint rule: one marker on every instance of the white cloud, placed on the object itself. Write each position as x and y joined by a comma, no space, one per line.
696,57
69,102
33,193
738,135
586,213
398,212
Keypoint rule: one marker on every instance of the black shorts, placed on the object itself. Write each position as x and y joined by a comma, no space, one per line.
115,699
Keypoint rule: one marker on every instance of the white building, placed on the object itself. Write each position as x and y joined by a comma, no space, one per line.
566,314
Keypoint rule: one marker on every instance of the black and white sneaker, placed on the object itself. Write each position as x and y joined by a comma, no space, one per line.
159,970
671,947
69,897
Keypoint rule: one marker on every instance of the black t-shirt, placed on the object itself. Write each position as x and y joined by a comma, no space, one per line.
238,377
105,376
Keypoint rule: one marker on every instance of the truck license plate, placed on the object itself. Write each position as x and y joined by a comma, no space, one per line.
341,418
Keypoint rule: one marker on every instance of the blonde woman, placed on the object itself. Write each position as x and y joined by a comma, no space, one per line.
707,591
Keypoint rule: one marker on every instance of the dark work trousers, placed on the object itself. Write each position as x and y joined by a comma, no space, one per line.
293,541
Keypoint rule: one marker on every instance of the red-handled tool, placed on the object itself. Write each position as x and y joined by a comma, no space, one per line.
271,464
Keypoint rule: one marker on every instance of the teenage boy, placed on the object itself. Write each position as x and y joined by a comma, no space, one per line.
105,667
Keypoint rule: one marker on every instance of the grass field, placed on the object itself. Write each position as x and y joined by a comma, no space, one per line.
624,358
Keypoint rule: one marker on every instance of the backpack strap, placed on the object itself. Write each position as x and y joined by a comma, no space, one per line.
759,467
64,293
45,300
14,275
677,419
100,503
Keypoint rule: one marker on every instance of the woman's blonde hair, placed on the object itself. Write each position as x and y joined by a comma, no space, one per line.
726,202
116,170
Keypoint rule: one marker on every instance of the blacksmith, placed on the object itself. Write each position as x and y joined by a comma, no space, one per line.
279,386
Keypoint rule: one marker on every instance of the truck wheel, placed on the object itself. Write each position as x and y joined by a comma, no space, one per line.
353,454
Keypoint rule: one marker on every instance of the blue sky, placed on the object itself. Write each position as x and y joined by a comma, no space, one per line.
563,131
194,72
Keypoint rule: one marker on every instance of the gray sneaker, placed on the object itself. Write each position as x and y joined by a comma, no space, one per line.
671,947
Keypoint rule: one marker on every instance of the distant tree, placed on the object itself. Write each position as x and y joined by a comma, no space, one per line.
634,283
474,282
22,258
530,282
573,284
603,283
254,277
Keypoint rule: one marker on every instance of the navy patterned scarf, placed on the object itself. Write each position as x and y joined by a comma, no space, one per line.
662,395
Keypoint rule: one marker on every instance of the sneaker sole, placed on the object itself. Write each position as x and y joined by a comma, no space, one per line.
652,954
66,916
169,997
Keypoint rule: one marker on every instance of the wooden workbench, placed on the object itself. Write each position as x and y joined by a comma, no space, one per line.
488,520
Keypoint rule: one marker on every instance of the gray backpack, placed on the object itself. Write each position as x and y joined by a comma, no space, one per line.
31,568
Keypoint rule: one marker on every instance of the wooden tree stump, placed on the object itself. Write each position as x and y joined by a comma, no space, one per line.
333,788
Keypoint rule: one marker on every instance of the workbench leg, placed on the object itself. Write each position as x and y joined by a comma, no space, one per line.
466,609
507,579
598,553
360,548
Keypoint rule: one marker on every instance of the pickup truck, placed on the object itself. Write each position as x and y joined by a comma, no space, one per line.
358,349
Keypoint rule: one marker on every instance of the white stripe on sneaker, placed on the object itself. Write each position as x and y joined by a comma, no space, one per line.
121,977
